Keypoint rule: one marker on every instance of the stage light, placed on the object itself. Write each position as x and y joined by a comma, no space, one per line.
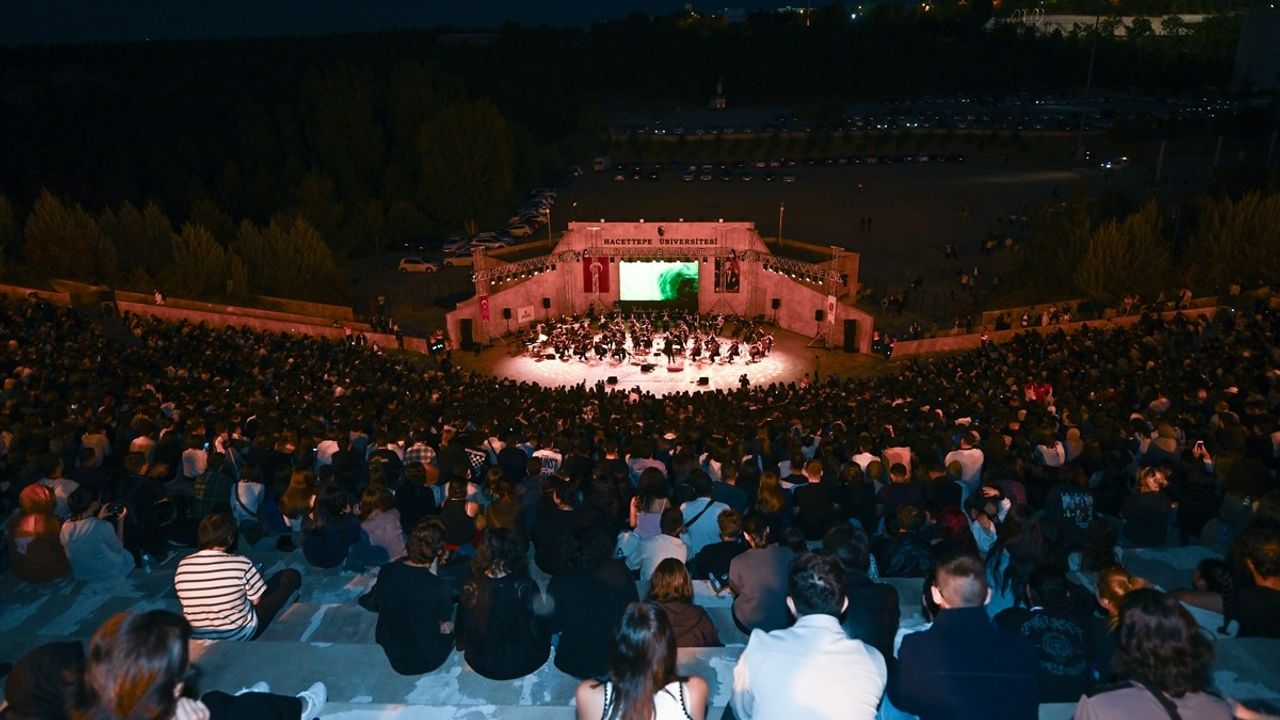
641,221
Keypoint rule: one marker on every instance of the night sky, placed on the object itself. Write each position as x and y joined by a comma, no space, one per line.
58,21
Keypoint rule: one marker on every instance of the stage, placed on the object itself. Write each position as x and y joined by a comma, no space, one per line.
788,362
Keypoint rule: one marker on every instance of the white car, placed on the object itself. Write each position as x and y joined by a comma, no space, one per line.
460,259
519,230
417,265
490,241
456,244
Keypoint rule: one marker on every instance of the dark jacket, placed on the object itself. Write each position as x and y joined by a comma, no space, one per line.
411,602
906,555
964,668
691,625
497,629
1066,648
588,604
873,614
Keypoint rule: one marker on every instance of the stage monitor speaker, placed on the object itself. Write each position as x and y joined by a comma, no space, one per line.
776,303
506,313
647,367
704,381
546,303
611,380
819,315
675,367
851,336
549,356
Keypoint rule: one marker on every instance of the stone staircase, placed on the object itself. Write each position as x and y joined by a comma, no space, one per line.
326,636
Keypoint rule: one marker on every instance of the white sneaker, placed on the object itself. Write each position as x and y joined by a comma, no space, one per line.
259,687
313,700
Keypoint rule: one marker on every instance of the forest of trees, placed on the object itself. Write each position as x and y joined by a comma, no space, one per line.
360,142
1084,251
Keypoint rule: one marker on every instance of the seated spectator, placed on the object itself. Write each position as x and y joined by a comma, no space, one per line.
773,505
554,520
138,667
414,499
650,500
986,509
714,559
94,547
221,593
642,680
331,529
900,491
700,527
590,593
1113,584
671,589
35,548
954,535
248,501
962,666
812,669
414,606
212,487
459,512
855,497
873,614
1070,501
380,532
39,683
644,555
1165,662
504,508
497,626
758,578
297,501
1053,623
1256,607
52,468
905,553
815,508
726,490
1149,513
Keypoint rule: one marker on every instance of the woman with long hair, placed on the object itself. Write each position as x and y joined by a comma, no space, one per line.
671,589
297,500
414,606
651,498
773,505
94,538
35,549
643,683
1165,660
331,529
138,668
498,626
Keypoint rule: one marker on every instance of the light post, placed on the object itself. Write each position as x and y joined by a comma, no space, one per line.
781,208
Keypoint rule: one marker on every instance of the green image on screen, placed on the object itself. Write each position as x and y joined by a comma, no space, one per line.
664,281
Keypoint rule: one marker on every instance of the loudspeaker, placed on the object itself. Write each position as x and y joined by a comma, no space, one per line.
851,336
819,314
546,303
647,367
611,380
704,381
776,303
506,313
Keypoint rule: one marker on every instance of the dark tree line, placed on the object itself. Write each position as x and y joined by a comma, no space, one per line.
376,138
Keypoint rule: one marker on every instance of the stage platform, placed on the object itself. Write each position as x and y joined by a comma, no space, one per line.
789,361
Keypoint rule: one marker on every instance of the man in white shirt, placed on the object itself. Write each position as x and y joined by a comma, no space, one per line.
700,513
62,487
811,669
970,457
644,555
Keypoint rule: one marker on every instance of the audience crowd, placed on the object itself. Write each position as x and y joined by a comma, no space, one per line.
1009,481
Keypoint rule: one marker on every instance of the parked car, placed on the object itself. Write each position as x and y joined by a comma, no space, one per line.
789,178
520,230
417,265
456,244
460,259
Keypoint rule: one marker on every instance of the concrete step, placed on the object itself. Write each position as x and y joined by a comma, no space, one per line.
359,673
